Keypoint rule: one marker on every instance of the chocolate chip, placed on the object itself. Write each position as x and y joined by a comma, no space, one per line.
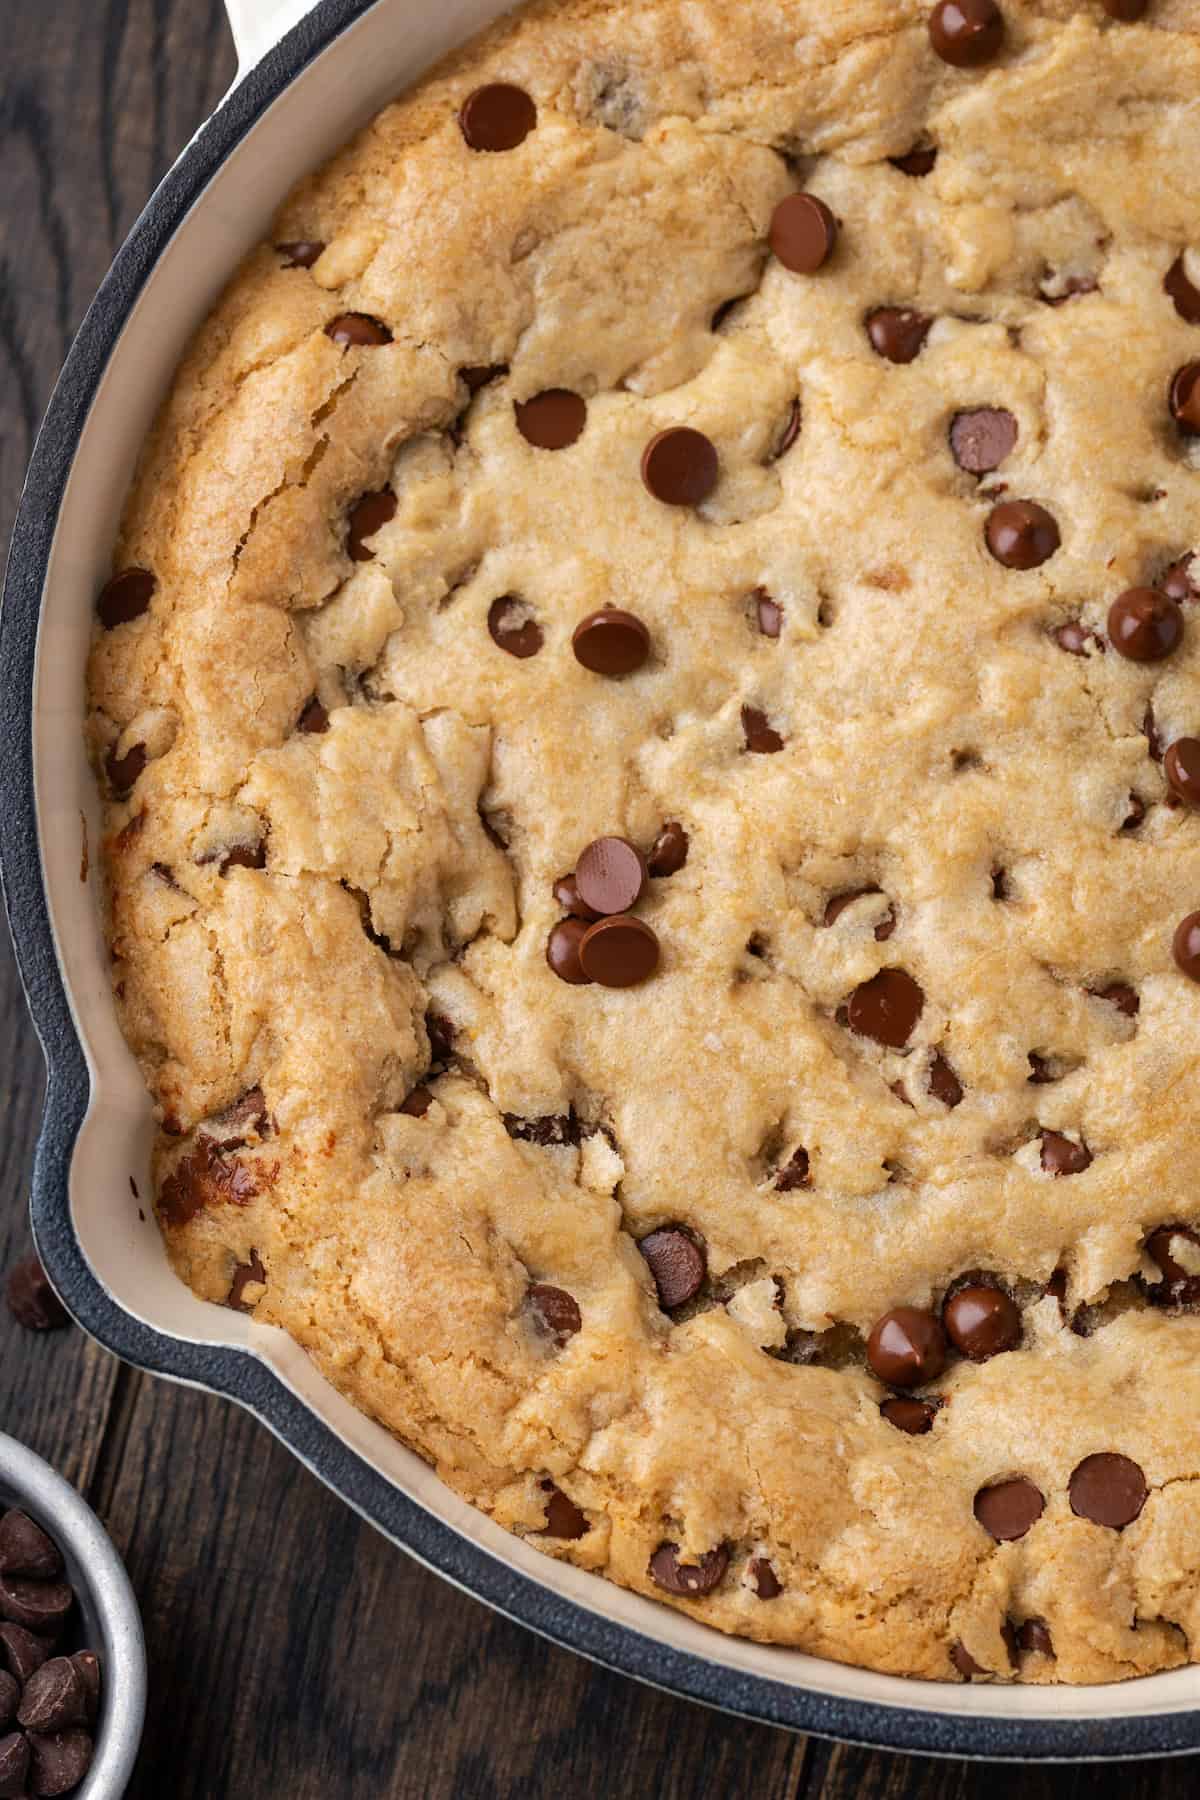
31,1300
1063,1156
1178,1287
562,951
23,1650
803,233
669,853
886,1008
1185,946
1040,1072
512,628
567,894
907,1347
944,1084
551,1128
763,1579
555,1311
789,434
37,1605
247,1274
60,1761
619,952
1181,765
358,330
760,735
982,438
1181,291
611,642
1120,995
897,332
314,719
126,597
1033,1638
966,33
915,1417
418,1103
795,1173
1057,290
246,1118
14,1764
124,772
610,876
768,613
10,1697
982,1322
1184,398
1128,11
1176,581
25,1549
367,516
689,1580
302,254
563,1517
553,420
497,117
1074,637
917,162
1008,1508
88,1664
1136,814
677,1263
54,1697
482,375
1021,534
964,1662
680,467
1144,625
1108,1489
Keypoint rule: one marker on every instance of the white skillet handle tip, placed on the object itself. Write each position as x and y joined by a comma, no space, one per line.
258,25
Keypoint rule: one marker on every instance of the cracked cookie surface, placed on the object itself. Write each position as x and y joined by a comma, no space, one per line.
553,477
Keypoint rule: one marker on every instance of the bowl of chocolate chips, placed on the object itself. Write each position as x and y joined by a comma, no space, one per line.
72,1656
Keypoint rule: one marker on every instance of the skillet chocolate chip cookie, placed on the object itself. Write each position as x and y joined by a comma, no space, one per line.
649,703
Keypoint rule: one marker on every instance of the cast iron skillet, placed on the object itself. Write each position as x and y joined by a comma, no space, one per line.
238,1373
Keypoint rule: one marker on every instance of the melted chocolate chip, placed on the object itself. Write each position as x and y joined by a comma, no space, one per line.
768,613
944,1084
562,951
1033,1638
1182,292
688,1580
618,952
915,1417
1063,1156
677,1263
897,333
1008,1509
1021,534
563,1517
1178,1287
126,597
611,642
680,467
205,1177
417,1103
1128,11
124,772
367,516
301,254
512,629
481,375
498,117
1108,1489
553,420
1145,625
1177,581
314,719
247,1274
358,331
1184,398
964,1662
966,33
886,1008
610,876
981,1322
907,1347
551,1128
790,433
917,162
982,438
1120,995
803,233
763,1579
794,1174
1185,946
1075,638
760,736
555,1312
669,853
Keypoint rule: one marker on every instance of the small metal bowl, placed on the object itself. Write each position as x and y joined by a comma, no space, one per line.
109,1620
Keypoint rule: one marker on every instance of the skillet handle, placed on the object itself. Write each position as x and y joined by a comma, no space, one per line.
258,25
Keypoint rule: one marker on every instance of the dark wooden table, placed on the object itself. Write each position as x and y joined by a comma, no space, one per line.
373,1678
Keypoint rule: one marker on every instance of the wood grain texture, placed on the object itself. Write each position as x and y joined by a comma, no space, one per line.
293,1652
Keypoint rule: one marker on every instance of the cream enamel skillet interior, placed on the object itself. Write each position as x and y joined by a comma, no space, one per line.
339,66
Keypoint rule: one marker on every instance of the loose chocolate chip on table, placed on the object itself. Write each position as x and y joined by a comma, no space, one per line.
32,1302
803,233
562,951
563,1517
1074,637
1063,1156
127,596
512,629
497,117
302,254
556,1311
1021,534
914,1417
54,1697
619,952
10,1695
1185,945
795,1173
763,1579
88,1664
768,612
23,1650
1184,398
124,772
14,1764
669,852
367,516
1120,995
982,438
897,332
1008,1509
916,162
25,1549
964,1662
944,1084
906,1347
39,1606
1145,625
677,1263
314,719
60,1760
680,467
610,876
966,33
566,892
553,420
1182,292
1181,765
982,1322
1128,11
760,735
611,642
1108,1489
886,1008
358,330
690,1580
1033,1638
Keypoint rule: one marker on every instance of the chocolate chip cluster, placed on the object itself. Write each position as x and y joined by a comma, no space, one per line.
48,1702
